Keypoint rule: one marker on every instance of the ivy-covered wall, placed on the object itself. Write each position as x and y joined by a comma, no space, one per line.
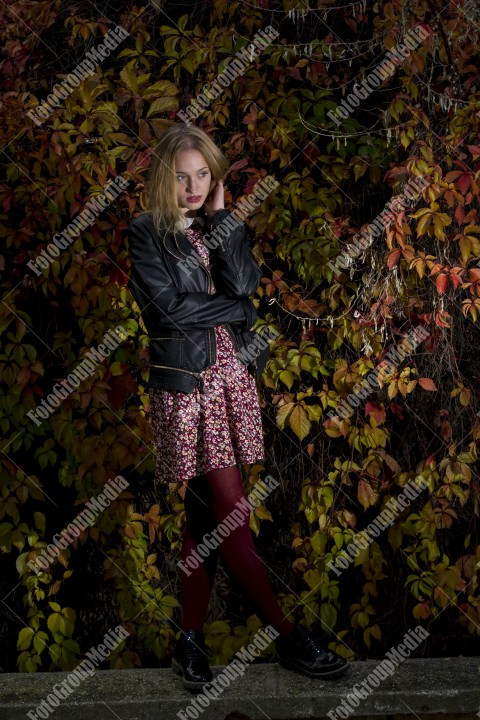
344,120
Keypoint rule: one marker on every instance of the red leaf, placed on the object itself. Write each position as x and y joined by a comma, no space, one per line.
459,215
442,282
446,431
440,320
376,411
455,279
237,165
393,259
464,183
396,410
427,384
294,72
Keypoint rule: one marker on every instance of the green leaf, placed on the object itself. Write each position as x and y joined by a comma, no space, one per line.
25,638
55,623
39,519
328,616
219,627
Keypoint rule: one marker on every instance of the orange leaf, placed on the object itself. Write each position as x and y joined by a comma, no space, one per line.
427,384
441,282
440,319
455,279
366,494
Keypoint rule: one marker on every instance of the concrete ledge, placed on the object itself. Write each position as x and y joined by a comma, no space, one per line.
445,688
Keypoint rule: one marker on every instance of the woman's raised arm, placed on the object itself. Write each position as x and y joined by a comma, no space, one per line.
160,302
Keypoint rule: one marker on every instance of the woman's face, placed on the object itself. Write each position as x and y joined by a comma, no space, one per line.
193,178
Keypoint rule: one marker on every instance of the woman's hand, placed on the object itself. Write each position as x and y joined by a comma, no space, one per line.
216,199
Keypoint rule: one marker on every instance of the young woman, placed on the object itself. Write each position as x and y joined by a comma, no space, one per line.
192,272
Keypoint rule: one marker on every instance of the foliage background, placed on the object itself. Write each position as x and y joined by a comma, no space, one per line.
424,270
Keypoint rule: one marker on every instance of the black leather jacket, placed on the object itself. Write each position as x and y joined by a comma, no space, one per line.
175,305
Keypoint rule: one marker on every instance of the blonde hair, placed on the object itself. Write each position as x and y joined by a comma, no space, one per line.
161,192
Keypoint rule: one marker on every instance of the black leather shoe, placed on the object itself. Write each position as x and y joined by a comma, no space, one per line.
190,660
299,651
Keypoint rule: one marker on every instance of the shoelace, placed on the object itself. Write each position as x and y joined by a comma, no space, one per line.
194,650
310,645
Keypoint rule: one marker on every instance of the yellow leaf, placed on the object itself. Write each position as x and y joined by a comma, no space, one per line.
423,224
283,413
55,623
162,88
299,422
465,247
287,377
262,513
312,578
24,638
162,105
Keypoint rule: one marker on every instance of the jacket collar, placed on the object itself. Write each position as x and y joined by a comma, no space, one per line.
180,245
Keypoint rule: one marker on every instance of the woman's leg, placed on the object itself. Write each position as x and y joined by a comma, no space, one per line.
238,549
196,584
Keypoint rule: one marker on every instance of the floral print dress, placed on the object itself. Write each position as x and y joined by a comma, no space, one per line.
194,433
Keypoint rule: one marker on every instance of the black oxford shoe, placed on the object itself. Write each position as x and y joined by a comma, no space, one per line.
299,651
190,660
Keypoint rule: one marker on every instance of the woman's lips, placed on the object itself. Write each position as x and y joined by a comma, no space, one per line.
194,198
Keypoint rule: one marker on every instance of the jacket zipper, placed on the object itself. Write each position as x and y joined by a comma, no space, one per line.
190,372
210,354
203,265
209,275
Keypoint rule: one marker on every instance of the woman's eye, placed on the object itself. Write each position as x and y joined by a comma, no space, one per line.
180,178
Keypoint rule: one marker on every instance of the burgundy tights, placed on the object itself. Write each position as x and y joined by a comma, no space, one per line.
209,499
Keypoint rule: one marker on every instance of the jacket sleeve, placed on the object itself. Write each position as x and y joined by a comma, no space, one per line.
230,249
160,302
